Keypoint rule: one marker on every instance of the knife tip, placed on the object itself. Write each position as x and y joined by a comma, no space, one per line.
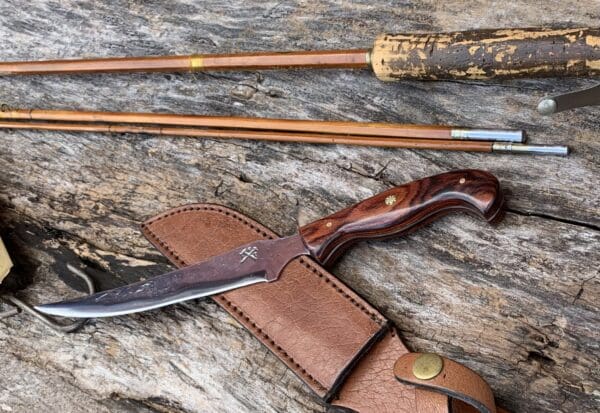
53,310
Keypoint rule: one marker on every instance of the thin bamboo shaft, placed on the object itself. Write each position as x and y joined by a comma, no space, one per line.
394,130
190,63
407,143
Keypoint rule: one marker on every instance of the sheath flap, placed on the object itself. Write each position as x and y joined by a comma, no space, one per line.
315,324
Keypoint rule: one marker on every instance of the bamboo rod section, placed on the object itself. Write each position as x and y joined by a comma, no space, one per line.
280,130
336,59
314,138
392,130
406,143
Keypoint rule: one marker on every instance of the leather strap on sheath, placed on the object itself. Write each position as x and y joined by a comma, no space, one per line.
339,345
453,379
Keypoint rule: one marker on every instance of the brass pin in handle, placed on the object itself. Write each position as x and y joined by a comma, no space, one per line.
572,100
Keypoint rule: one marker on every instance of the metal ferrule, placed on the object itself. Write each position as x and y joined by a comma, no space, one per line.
496,135
509,147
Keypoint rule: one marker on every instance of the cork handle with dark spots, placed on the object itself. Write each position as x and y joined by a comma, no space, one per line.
488,54
403,209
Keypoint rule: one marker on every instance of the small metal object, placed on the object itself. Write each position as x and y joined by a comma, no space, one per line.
368,58
427,366
496,135
20,305
547,106
572,100
390,200
509,147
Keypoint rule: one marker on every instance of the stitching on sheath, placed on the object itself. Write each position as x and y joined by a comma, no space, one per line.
252,325
328,280
237,310
277,347
337,288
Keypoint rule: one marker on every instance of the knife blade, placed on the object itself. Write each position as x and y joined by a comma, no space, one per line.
243,266
397,211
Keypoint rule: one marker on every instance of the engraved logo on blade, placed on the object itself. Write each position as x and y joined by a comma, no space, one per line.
249,252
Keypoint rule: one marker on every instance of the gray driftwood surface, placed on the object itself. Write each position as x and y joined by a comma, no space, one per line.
517,303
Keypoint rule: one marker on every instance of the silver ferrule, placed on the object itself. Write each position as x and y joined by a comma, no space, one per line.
496,135
509,147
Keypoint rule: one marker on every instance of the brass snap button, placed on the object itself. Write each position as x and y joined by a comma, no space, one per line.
427,366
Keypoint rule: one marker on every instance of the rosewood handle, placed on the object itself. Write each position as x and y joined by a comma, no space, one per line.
403,209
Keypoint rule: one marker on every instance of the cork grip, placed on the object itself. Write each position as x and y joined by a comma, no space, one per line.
488,54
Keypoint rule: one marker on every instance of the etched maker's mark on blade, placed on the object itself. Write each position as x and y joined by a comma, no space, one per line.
249,252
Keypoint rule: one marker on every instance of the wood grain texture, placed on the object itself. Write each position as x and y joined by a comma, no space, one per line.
518,304
404,209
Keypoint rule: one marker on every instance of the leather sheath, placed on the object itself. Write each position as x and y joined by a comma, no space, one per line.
336,342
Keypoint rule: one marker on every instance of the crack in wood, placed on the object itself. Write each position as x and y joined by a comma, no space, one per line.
554,218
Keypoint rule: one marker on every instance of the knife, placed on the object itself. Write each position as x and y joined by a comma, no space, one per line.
394,212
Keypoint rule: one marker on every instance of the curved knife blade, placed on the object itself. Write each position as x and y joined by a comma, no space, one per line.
259,261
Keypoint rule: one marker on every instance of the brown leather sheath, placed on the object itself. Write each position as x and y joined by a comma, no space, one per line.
337,343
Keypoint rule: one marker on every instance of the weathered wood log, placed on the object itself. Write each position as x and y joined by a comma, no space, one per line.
518,303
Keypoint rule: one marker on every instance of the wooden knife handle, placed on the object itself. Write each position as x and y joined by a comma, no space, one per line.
488,54
404,209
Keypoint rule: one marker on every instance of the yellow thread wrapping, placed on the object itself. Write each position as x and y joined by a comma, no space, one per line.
196,63
5,262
